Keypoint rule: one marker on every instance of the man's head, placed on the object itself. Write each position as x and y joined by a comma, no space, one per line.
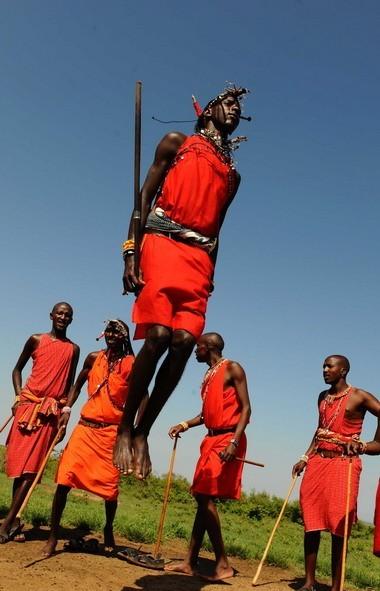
223,111
209,343
61,316
335,368
116,334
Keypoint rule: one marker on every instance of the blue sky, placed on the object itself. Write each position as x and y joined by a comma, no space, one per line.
297,276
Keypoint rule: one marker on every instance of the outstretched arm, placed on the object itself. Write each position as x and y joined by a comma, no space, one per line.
163,158
184,426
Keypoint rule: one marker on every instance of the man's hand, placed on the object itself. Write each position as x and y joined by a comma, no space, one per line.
62,424
175,431
131,283
228,454
354,448
298,468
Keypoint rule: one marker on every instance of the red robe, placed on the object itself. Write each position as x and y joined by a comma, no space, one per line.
323,492
221,410
177,275
35,423
86,462
376,539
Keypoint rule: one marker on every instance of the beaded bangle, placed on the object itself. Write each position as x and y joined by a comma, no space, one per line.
184,425
234,442
304,458
17,398
363,447
66,409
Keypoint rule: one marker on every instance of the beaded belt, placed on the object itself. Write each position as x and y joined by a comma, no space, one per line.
331,453
213,432
95,424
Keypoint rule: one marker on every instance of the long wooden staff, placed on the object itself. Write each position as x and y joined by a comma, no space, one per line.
137,197
250,462
294,479
39,473
6,423
165,503
345,536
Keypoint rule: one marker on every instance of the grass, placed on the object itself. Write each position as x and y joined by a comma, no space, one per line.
246,524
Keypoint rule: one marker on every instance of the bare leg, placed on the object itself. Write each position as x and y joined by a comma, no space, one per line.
167,378
21,486
336,561
144,367
109,540
59,503
211,519
311,547
188,565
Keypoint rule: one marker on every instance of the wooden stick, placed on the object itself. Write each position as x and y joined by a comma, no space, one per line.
165,503
39,473
250,462
294,480
345,537
137,196
6,423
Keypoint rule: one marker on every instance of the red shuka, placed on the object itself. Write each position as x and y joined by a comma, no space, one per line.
323,492
35,423
221,410
178,275
86,462
376,538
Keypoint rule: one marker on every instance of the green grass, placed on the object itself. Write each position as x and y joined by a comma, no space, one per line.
246,524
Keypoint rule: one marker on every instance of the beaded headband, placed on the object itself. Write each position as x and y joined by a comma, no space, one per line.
120,325
236,92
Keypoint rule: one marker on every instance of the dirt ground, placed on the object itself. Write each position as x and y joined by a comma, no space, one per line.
23,569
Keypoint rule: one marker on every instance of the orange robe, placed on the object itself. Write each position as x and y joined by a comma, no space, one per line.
323,491
35,423
178,275
221,410
376,539
86,462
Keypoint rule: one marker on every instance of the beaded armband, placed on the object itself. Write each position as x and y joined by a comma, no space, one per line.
304,458
128,248
184,425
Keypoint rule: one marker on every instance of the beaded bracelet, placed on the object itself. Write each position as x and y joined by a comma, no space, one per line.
234,442
184,425
66,409
304,458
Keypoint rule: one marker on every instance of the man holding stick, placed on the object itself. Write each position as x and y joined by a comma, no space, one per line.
225,412
37,408
324,489
184,200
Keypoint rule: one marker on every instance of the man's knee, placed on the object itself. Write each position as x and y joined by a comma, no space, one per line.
157,339
182,341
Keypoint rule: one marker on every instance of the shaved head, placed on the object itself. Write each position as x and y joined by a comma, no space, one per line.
213,340
58,304
342,360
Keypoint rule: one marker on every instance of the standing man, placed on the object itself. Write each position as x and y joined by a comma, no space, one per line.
185,197
323,491
37,408
86,462
225,412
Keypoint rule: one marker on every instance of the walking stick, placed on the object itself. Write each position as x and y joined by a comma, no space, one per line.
165,503
6,423
294,479
250,462
345,536
137,197
39,473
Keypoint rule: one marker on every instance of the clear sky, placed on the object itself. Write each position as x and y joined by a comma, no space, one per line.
297,276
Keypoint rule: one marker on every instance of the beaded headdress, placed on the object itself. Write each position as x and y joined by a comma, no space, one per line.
236,91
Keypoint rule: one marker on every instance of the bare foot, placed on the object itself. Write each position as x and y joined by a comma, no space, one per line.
180,567
220,574
122,452
49,548
143,465
109,540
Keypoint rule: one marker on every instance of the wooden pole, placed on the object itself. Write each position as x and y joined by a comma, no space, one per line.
165,503
294,479
136,192
345,536
6,423
250,462
39,473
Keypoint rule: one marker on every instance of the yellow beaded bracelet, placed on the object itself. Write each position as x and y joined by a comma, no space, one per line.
184,425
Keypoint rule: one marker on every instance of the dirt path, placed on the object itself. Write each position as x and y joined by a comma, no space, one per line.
22,569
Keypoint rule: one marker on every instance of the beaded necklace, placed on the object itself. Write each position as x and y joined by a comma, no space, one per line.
328,400
210,373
